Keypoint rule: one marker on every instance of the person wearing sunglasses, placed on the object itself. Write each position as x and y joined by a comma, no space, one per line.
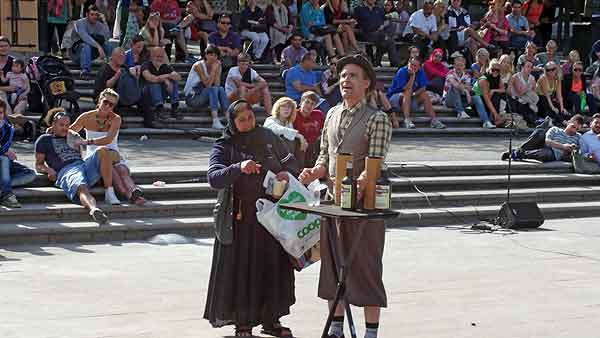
549,89
488,91
575,92
227,41
102,126
90,40
57,156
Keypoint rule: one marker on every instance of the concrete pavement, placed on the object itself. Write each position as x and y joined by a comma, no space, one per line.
441,283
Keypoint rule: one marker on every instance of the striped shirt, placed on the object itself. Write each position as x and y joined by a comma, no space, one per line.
557,134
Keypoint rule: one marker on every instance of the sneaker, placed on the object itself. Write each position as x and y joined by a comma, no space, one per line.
99,216
505,156
217,124
437,124
408,124
9,200
489,125
110,197
463,115
175,29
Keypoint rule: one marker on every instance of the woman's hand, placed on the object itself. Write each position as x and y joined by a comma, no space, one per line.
250,167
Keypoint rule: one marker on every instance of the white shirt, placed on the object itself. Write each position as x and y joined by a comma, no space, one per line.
420,21
279,128
234,73
193,78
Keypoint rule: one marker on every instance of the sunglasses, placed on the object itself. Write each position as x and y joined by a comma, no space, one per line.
495,70
225,22
578,70
550,69
58,116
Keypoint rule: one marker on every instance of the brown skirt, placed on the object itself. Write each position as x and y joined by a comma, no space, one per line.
364,281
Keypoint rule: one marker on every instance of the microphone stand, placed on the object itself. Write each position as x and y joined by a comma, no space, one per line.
510,139
499,220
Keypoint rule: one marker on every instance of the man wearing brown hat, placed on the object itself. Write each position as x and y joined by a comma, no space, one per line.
357,128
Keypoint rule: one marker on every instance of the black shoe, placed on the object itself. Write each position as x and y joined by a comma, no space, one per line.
334,336
29,131
505,156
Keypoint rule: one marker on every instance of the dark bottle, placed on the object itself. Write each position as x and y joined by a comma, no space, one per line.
348,189
383,191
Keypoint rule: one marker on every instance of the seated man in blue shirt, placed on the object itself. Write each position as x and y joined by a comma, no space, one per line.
302,78
590,141
408,92
519,27
228,42
371,19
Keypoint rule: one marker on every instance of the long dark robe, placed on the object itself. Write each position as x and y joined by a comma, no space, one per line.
251,280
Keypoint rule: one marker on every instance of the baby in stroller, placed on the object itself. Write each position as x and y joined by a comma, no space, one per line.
18,86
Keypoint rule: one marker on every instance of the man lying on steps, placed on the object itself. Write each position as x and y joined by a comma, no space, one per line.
546,145
56,157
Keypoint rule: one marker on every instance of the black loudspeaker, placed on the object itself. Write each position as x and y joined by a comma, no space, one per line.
520,215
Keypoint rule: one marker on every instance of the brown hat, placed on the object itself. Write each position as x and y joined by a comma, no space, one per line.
363,63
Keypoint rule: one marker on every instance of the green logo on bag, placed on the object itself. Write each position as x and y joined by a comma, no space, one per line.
291,215
314,225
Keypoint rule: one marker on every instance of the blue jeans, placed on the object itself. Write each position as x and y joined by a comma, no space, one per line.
78,173
156,93
480,107
13,174
215,96
454,100
83,54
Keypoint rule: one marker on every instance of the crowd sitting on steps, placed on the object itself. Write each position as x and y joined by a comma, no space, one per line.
501,64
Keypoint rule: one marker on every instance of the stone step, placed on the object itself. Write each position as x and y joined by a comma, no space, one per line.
464,198
118,229
415,190
205,122
474,168
49,194
198,133
25,231
148,175
197,174
472,214
185,67
470,183
70,211
86,104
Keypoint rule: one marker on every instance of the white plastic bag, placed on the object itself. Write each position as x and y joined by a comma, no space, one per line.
296,231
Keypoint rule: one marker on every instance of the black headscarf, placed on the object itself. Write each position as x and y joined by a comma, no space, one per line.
252,142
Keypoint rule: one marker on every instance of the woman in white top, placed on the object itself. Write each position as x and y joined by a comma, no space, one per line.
102,129
524,98
281,122
203,85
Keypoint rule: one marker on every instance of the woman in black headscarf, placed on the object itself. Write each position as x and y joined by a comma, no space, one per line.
252,280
